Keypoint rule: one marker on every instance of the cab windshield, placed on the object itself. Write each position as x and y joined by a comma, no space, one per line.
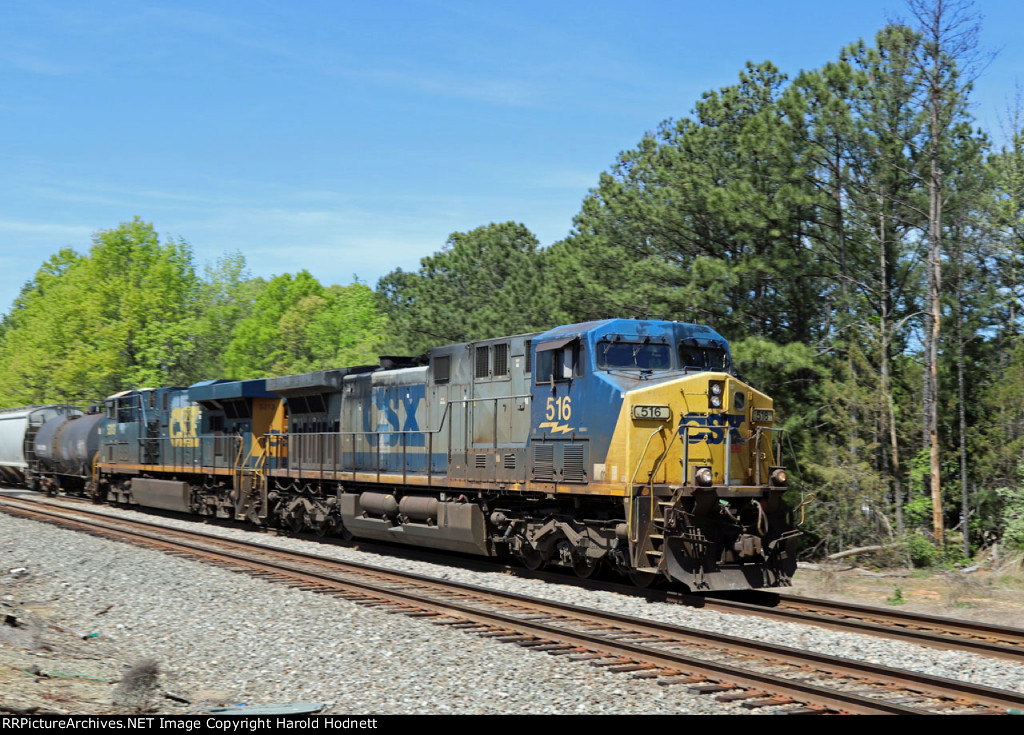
702,357
633,356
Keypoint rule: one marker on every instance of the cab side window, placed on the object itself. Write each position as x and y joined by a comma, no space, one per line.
560,364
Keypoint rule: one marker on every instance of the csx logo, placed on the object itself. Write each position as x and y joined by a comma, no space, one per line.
390,402
713,428
184,426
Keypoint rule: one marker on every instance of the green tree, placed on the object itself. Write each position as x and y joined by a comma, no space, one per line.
142,300
227,295
351,330
258,346
702,222
484,283
297,325
87,326
949,36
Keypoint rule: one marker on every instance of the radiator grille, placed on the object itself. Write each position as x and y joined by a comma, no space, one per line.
572,465
481,361
500,360
544,463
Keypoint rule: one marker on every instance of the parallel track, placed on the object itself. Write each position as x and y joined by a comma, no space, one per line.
753,673
929,630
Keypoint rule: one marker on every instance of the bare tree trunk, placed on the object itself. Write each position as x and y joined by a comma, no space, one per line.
888,412
935,299
964,509
950,37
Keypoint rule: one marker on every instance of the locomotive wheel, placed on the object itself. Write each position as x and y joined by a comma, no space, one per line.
295,522
530,558
643,580
585,567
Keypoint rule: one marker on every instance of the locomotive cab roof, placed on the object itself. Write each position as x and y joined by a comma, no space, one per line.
642,346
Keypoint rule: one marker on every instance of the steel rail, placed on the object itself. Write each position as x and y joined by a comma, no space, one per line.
955,626
929,630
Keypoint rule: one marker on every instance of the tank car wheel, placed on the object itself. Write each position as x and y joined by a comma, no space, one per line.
643,580
94,492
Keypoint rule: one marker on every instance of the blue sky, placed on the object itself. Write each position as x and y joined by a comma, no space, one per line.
351,138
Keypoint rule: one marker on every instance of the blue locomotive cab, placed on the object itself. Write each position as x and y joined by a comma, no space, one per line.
650,411
138,422
582,374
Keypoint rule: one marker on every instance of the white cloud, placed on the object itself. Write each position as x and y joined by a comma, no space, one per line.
46,230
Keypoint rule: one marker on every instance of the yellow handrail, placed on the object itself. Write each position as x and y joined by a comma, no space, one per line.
632,482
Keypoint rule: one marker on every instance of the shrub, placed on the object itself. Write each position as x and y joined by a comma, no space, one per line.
921,551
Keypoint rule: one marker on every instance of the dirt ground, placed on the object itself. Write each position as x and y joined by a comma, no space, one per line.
48,671
993,594
44,671
50,668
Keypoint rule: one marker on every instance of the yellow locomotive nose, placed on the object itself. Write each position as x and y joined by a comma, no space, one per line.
704,486
705,429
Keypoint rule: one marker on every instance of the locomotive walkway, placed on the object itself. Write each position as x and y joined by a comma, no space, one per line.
754,673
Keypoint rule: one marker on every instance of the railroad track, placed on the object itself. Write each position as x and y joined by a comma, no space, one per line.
754,674
933,631
919,628
929,630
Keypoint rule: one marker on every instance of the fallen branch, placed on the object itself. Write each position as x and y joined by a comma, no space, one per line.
860,550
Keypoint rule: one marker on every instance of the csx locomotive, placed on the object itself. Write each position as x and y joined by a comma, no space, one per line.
627,444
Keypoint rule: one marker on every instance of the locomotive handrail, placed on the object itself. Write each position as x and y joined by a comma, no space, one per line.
238,459
632,482
175,456
302,441
771,453
467,401
657,466
658,462
285,438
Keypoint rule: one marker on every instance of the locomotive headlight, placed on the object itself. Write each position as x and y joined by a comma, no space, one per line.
778,477
716,393
703,477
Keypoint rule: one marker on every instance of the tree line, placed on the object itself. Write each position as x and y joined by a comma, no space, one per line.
134,312
849,229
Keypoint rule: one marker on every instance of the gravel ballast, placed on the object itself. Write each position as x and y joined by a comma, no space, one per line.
224,638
